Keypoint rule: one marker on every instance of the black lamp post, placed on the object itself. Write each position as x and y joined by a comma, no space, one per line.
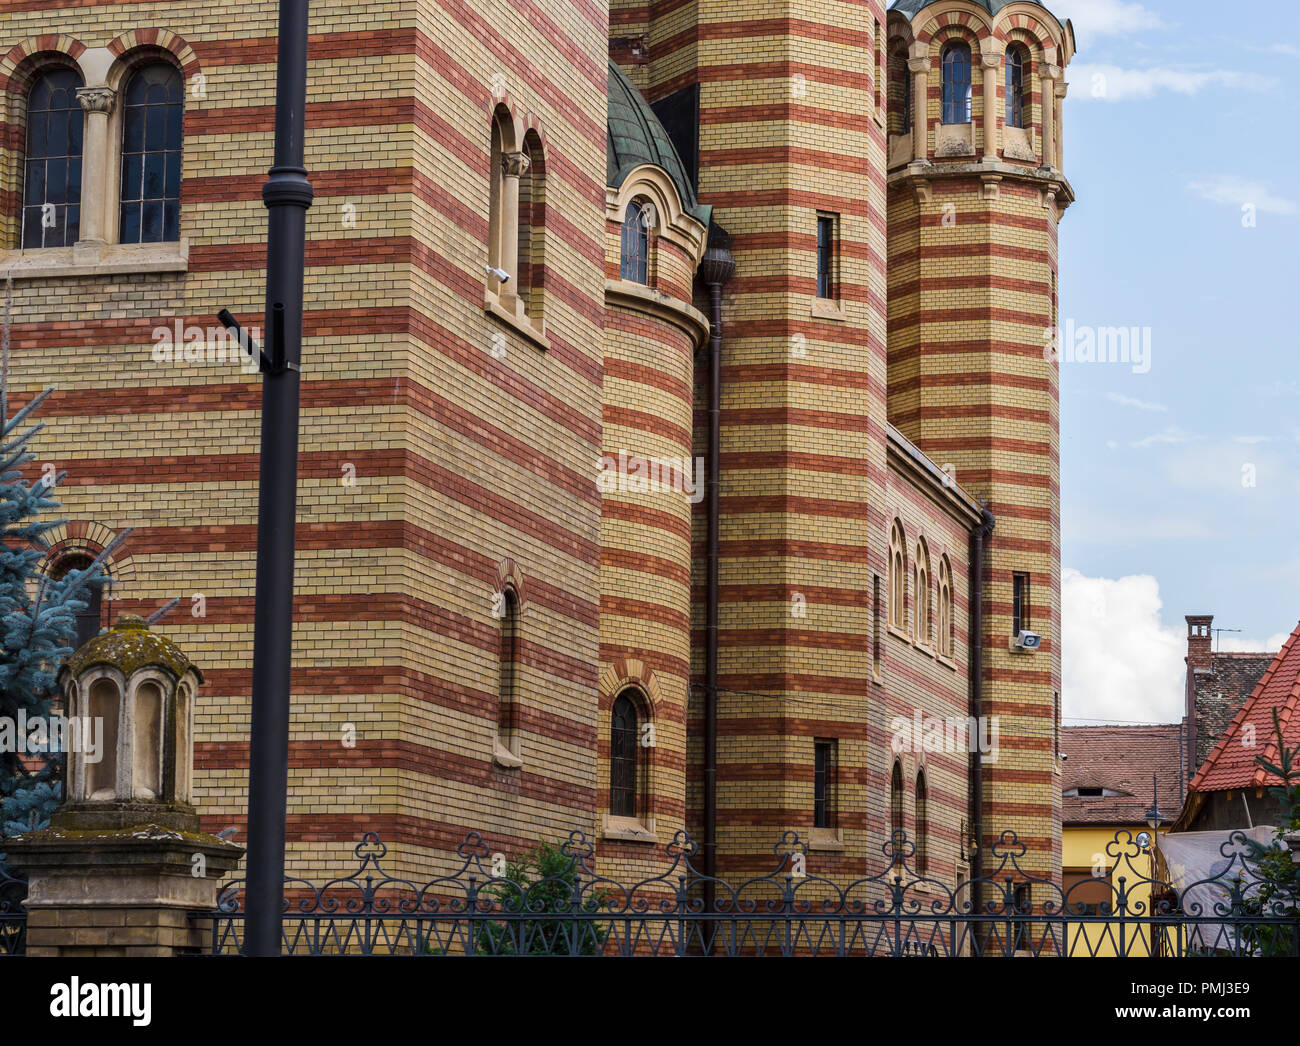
287,195
1153,817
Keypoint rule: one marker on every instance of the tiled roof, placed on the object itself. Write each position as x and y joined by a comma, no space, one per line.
1232,762
1122,759
911,7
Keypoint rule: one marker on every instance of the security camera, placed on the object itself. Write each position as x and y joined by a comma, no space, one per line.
1063,756
500,274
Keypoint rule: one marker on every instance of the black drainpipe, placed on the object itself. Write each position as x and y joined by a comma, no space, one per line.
716,268
978,538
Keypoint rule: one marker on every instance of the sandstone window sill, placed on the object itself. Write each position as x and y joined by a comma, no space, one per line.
946,661
95,259
827,840
504,757
628,829
898,633
828,309
509,310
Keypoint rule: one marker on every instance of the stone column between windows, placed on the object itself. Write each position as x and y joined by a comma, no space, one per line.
920,70
1061,88
98,102
1051,73
513,167
991,63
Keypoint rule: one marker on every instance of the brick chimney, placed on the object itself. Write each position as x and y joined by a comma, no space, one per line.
1199,641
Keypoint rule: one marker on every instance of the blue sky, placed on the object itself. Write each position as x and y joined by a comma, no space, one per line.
1180,488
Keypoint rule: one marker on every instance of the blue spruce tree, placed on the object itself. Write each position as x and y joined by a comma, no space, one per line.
37,615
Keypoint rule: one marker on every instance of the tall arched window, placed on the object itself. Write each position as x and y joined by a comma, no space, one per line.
923,630
1017,80
152,109
922,826
52,179
634,262
88,620
896,802
945,608
956,83
623,748
897,577
508,697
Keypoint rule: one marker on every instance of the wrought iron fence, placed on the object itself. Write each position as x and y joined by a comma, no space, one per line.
13,916
487,906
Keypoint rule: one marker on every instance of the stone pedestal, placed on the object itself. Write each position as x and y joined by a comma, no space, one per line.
124,862
119,892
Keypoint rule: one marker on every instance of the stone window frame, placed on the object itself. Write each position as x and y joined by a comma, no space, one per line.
637,681
507,749
897,594
946,638
922,598
104,72
516,147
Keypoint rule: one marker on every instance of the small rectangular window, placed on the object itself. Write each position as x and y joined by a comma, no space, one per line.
823,784
1019,603
877,79
877,624
826,248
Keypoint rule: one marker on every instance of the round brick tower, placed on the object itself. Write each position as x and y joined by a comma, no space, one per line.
976,190
649,481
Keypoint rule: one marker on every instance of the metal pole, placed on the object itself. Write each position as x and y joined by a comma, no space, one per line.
287,195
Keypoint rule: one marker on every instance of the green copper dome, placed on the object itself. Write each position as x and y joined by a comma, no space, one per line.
634,135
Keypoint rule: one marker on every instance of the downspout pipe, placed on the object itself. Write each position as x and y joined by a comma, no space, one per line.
716,268
979,538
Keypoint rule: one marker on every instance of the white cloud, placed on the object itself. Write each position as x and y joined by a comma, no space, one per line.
1105,17
1118,662
1288,49
1252,440
1171,434
1235,191
1110,83
1132,401
1272,644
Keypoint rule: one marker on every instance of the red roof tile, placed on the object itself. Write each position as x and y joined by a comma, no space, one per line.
1232,762
1121,759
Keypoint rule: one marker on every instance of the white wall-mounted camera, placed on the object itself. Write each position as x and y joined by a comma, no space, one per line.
500,274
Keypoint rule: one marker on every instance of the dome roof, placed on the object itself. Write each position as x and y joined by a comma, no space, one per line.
911,7
127,646
634,135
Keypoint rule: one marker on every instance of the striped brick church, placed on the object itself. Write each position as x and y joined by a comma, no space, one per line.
635,497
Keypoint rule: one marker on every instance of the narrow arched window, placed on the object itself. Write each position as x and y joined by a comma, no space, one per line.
945,608
1017,77
956,83
922,826
634,260
623,758
897,577
88,619
896,803
52,179
922,594
153,105
900,93
508,680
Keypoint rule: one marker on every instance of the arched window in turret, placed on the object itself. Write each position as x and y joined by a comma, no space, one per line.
634,263
1017,86
956,83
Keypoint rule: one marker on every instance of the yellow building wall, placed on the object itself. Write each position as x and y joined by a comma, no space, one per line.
1094,849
